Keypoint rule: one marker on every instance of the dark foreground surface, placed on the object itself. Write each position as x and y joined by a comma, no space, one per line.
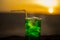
13,38
23,38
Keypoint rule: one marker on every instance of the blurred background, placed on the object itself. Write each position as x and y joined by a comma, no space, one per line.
13,13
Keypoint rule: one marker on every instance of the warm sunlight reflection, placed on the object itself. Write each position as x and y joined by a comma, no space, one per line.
51,10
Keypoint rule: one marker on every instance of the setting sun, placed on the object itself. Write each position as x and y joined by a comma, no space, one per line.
51,10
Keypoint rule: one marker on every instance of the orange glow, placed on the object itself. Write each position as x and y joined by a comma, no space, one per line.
33,6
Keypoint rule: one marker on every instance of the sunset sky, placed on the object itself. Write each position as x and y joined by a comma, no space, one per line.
29,5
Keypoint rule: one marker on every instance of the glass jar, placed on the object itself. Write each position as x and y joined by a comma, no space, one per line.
33,27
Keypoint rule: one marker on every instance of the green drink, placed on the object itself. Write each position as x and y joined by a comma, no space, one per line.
33,28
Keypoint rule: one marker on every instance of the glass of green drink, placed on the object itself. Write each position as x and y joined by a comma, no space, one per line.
33,28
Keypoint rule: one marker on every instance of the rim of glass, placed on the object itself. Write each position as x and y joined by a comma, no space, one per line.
33,18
